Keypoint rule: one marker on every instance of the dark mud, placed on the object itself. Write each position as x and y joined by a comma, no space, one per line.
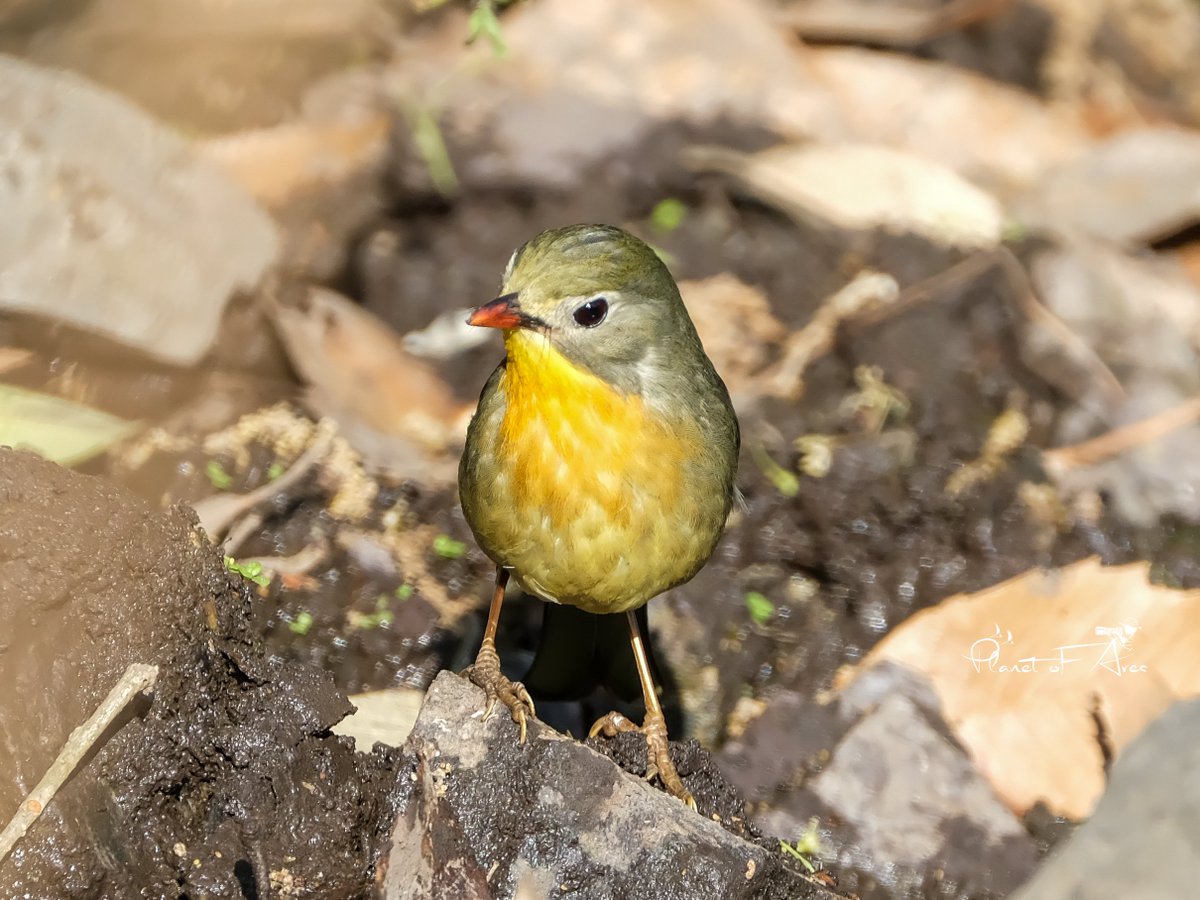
226,782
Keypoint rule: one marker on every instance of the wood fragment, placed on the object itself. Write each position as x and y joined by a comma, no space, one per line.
137,678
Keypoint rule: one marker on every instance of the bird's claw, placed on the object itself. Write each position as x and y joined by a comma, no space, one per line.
658,753
485,673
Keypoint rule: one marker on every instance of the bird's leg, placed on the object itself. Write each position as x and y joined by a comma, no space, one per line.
486,670
654,726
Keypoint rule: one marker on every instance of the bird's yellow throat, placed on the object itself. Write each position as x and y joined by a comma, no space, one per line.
575,439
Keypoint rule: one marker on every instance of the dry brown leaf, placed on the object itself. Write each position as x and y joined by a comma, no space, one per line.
735,323
13,358
360,375
989,132
1029,720
861,187
276,164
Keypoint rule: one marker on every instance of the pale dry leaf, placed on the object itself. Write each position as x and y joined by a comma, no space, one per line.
861,187
991,133
276,164
1020,668
1137,187
13,358
60,430
361,375
384,717
735,324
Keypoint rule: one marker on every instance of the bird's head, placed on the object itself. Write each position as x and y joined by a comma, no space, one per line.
600,297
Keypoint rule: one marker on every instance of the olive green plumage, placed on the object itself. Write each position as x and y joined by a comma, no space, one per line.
606,479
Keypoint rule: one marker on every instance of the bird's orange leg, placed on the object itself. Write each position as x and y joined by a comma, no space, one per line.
654,726
486,671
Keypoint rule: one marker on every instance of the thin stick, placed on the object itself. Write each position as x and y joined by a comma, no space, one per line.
1109,444
137,678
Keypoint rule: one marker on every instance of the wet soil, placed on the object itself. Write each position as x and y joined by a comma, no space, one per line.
228,765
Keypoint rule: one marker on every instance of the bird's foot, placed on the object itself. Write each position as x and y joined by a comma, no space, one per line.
658,753
485,673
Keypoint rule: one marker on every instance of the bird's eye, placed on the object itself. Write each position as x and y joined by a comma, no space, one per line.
592,313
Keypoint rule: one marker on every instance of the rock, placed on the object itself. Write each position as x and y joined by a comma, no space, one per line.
227,778
487,816
112,224
1141,841
895,795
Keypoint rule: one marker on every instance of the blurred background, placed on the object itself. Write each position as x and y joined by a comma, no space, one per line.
945,253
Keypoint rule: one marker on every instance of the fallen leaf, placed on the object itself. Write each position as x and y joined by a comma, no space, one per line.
1134,188
276,164
13,358
60,430
386,402
862,187
735,324
1025,671
1012,137
384,717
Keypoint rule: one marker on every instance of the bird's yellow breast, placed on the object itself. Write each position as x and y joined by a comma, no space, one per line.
587,493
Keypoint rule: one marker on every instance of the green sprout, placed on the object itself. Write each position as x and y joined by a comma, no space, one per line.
668,214
760,608
448,548
808,844
431,147
251,569
404,592
486,24
216,473
274,470
382,615
786,482
302,623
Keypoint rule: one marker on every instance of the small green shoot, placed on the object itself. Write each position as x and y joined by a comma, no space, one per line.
274,470
486,24
302,623
786,482
808,844
251,569
216,473
760,608
382,615
448,548
431,146
668,214
404,592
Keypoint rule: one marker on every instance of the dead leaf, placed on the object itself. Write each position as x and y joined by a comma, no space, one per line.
863,187
361,376
735,324
1012,137
384,717
1135,188
13,358
1021,666
58,429
276,164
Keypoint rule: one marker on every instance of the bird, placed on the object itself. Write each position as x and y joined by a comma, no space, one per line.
599,467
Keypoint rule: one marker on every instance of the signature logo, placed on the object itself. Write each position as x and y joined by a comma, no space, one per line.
1113,653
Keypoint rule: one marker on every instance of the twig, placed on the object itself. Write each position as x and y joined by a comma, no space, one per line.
869,291
219,512
1111,443
137,678
885,25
